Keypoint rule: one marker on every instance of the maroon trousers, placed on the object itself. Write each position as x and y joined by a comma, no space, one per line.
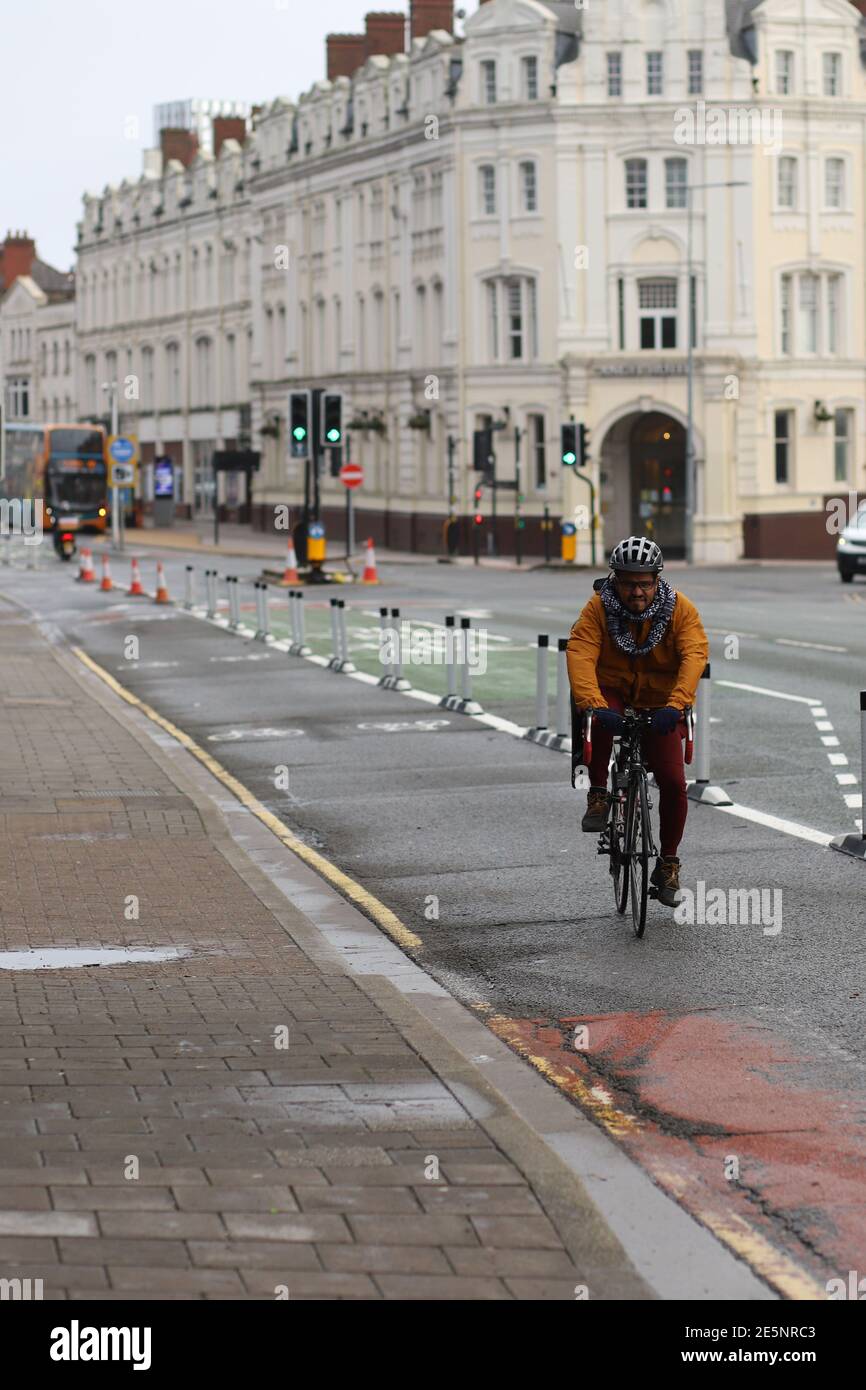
663,754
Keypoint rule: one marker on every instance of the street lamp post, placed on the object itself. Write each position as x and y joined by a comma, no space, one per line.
691,311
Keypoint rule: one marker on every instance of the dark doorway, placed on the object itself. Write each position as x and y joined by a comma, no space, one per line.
657,451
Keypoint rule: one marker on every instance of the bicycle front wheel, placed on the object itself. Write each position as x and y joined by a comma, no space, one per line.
618,857
638,839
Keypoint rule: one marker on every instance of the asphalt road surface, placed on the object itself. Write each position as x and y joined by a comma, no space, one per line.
728,1055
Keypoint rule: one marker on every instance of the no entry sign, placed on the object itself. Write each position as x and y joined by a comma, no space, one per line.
351,475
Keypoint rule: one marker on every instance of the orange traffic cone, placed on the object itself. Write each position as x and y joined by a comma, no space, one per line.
136,587
85,569
370,576
106,574
290,573
161,586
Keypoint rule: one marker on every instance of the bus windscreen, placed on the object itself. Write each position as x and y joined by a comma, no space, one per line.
80,444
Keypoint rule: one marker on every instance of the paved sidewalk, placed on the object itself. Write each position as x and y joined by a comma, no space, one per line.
156,1138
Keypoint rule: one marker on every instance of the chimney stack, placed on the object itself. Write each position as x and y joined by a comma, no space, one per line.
17,254
228,128
346,53
177,143
386,33
427,15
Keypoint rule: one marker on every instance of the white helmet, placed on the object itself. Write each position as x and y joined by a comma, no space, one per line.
636,555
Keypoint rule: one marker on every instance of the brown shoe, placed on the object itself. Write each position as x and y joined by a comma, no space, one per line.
595,818
665,877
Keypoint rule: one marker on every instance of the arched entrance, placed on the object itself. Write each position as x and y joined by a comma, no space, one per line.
643,480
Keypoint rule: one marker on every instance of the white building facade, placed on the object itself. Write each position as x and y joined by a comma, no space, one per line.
495,230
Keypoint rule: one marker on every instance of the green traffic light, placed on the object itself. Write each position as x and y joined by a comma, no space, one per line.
333,436
299,432
569,459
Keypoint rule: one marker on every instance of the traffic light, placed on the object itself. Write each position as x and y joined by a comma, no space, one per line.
300,432
482,448
584,446
569,445
478,516
332,421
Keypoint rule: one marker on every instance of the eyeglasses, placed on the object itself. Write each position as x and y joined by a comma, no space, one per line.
646,586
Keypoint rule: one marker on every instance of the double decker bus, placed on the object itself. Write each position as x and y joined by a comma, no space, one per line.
64,466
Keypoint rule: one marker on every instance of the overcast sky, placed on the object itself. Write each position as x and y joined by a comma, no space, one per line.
76,71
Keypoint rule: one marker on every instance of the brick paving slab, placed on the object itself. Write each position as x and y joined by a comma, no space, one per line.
255,1168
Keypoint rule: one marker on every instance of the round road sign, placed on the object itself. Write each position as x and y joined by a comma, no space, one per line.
351,475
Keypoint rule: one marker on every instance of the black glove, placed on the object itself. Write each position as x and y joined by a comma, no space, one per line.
609,719
664,721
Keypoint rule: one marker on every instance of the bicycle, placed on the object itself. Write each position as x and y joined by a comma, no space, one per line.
628,835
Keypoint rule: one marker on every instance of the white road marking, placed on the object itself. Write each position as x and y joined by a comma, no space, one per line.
425,725
838,759
776,694
830,740
252,656
846,779
819,712
814,646
236,735
823,725
854,800
787,827
729,632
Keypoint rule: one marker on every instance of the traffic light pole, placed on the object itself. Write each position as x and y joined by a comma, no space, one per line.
518,534
492,548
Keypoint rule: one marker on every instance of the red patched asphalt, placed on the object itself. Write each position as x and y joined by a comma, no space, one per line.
700,1090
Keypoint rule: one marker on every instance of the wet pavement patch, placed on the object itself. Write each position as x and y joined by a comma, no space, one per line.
76,957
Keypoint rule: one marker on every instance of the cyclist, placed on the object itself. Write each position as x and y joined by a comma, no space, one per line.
639,643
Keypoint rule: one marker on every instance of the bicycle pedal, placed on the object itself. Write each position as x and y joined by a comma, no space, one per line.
652,891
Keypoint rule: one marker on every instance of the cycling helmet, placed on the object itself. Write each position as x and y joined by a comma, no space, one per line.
636,555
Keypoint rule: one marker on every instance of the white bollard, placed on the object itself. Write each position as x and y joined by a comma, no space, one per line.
210,578
262,611
234,606
855,845
384,644
450,700
700,789
394,678
334,661
345,665
293,619
467,704
299,645
563,704
189,594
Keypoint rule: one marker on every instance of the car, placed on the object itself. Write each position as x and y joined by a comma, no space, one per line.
851,547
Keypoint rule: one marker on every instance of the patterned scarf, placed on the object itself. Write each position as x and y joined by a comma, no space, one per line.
659,612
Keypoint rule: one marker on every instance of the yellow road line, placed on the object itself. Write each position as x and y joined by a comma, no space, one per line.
366,901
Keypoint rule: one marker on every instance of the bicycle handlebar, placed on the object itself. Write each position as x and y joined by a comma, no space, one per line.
639,719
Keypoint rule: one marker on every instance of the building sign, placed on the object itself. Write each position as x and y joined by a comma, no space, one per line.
641,369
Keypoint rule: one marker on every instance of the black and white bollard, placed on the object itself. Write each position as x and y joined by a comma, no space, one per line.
234,605
262,630
189,588
701,789
539,730
210,578
855,845
394,678
343,663
562,738
450,700
384,645
334,661
296,611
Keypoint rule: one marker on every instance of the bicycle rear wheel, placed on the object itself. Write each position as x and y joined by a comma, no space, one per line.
638,839
618,859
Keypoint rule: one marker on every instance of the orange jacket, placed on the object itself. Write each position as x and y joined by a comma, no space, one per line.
668,675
